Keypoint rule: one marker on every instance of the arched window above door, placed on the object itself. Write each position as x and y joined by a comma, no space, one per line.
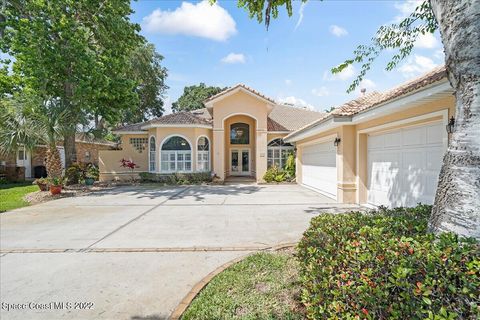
239,133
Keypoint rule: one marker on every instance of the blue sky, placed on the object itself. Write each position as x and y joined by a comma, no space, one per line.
290,62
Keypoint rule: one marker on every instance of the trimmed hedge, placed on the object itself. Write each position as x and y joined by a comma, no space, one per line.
177,178
385,265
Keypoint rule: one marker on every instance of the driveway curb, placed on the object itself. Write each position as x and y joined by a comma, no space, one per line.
187,300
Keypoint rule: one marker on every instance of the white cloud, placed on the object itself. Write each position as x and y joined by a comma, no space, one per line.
426,41
439,54
288,82
338,31
365,84
167,105
232,58
416,65
405,8
200,20
296,102
300,15
321,92
346,74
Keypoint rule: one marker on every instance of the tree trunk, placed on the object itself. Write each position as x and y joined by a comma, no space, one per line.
53,162
457,201
70,149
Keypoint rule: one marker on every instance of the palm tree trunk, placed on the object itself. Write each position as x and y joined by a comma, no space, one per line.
53,163
457,201
70,149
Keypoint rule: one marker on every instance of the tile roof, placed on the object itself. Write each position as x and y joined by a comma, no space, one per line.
182,118
87,138
130,127
291,118
375,99
240,85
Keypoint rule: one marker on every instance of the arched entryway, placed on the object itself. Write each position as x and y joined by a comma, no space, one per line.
240,142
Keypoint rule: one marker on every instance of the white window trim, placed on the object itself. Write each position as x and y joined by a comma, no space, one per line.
191,151
155,154
279,148
203,152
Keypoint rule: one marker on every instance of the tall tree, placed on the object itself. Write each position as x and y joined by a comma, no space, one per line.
193,97
74,51
147,70
457,201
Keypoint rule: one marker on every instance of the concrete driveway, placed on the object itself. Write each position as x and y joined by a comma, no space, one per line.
134,253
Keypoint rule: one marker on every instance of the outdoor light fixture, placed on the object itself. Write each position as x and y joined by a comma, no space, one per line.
451,125
336,142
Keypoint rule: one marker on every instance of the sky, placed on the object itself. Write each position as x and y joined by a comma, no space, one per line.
221,46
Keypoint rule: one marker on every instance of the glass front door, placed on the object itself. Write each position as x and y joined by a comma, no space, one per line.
240,162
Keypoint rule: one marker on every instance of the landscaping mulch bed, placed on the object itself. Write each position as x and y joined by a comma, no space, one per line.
69,191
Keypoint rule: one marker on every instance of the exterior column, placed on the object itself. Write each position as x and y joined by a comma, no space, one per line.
219,153
346,166
261,154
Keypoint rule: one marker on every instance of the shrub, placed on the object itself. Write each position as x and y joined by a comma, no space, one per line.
177,178
92,172
277,174
385,265
75,173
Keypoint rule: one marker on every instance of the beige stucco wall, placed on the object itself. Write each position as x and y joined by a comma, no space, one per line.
109,160
352,159
231,109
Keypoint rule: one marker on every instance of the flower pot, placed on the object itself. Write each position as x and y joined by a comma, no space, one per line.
89,181
55,190
42,186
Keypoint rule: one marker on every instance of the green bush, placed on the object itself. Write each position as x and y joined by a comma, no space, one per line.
385,265
177,178
277,174
77,172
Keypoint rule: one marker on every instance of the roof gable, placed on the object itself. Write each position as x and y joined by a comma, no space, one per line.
232,90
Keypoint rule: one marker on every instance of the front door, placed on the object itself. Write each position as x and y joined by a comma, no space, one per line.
240,162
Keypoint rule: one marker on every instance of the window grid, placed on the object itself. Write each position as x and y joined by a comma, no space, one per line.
139,144
176,161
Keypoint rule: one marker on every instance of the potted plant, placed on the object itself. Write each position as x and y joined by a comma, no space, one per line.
42,184
56,185
91,175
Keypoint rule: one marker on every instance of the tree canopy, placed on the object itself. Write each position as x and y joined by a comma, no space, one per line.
76,53
193,97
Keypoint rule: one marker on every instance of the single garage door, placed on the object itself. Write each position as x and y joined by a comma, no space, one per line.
319,168
403,165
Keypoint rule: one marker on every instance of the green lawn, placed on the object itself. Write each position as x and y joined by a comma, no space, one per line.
11,195
262,286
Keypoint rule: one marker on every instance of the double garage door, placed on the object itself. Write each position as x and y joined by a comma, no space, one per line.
319,168
403,165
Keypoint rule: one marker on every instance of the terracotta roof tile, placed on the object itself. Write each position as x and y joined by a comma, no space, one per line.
292,118
374,99
182,118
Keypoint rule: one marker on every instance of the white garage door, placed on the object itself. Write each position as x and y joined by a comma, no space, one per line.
319,168
403,165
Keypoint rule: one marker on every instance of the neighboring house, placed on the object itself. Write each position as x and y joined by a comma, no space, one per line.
380,149
239,133
33,162
389,147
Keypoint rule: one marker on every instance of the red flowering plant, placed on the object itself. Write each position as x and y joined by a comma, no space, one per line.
129,164
125,163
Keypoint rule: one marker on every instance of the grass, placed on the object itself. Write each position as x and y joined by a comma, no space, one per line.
11,195
262,286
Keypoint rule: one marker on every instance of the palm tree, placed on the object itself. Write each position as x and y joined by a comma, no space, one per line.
29,121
